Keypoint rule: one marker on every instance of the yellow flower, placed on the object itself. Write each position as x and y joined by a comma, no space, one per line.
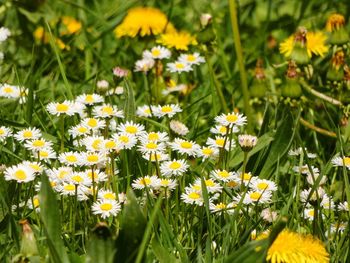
315,44
178,40
42,36
335,22
144,21
72,25
290,247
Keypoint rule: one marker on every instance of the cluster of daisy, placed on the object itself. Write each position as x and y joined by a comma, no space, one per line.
13,92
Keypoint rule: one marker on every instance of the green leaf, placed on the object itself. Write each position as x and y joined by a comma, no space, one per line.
129,106
162,254
50,216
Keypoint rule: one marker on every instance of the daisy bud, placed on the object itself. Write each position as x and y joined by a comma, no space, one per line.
28,243
338,34
247,142
205,19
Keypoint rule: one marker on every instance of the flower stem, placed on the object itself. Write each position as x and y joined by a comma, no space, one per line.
239,53
317,129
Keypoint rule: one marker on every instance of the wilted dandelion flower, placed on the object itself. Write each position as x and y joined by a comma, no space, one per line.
20,173
4,133
178,127
157,52
192,59
143,21
174,167
106,208
338,34
178,40
341,161
167,110
178,67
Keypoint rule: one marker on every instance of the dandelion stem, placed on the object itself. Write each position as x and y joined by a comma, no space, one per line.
317,129
239,54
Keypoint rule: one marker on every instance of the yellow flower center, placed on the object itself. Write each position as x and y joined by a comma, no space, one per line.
220,206
191,58
62,107
179,65
145,181
2,132
223,129
8,90
131,129
62,174
346,161
232,184
110,144
154,156
89,98
44,154
36,202
124,139
164,182
106,206
223,174
207,151
196,187
147,111
153,136
71,158
186,145
255,195
167,109
92,158
262,186
35,167
109,196
194,196
220,142
69,187
27,134
246,176
311,213
82,129
77,178
90,174
209,183
231,118
175,165
92,122
151,146
96,144
20,175
107,110
155,52
38,143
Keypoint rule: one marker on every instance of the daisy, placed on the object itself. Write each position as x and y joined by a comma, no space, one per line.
20,173
192,197
79,178
4,33
344,206
268,215
327,203
341,161
28,134
223,130
70,158
207,152
218,208
183,88
93,123
4,133
233,184
309,214
91,158
212,186
257,197
36,167
304,169
125,140
144,111
316,194
79,130
312,179
60,173
339,227
102,84
131,128
246,178
231,119
178,127
144,65
70,189
34,204
97,175
89,99
157,52
154,137
174,167
107,111
167,110
37,144
106,208
9,91
299,151
221,142
156,157
66,107
148,146
146,182
263,185
119,90
185,147
106,195
192,59
167,183
93,143
223,175
45,154
178,67
109,145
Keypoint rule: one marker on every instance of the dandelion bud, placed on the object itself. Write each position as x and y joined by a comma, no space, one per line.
299,52
292,87
247,142
205,19
28,243
259,85
338,34
335,71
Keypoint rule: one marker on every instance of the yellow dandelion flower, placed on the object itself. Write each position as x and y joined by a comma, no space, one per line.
291,247
72,25
315,44
335,22
178,40
143,21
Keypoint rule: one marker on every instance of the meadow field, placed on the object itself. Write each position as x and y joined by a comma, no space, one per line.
174,131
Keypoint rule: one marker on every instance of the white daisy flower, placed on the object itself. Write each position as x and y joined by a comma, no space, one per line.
167,183
179,67
298,151
317,194
131,128
247,178
221,142
212,186
174,167
338,227
175,88
4,133
157,52
231,119
327,203
106,208
89,99
45,154
233,184
69,189
4,33
28,134
192,197
20,173
305,170
79,178
93,123
146,181
102,84
269,215
79,130
37,144
36,167
144,111
9,91
66,107
263,185
107,111
178,127
261,197
109,145
125,140
91,158
156,157
218,208
96,175
106,195
168,110
312,179
191,59
119,90
70,158
154,137
34,203
344,206
59,174
148,146
207,152
93,143
185,147
223,130
309,214
341,161
144,65
223,175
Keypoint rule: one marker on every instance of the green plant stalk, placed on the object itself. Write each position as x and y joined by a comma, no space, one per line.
245,161
62,134
242,71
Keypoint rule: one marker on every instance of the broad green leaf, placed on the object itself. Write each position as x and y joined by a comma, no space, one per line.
129,106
